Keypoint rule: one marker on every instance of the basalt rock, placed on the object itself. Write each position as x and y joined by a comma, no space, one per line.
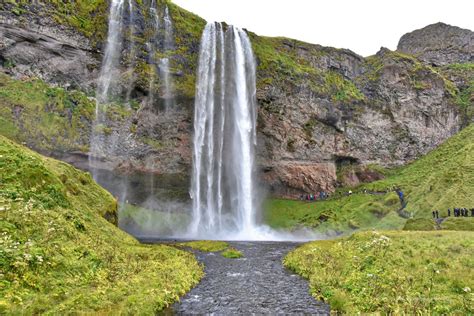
439,44
319,107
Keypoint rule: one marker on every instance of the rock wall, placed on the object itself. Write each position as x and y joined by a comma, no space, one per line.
439,44
319,108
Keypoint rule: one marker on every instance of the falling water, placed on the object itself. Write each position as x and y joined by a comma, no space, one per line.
168,44
113,48
223,189
107,81
152,48
131,50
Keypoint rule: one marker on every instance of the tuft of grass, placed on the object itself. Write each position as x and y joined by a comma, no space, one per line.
391,272
458,223
61,252
232,253
205,245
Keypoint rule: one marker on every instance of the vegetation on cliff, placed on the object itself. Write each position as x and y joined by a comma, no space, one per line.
442,179
59,254
391,272
49,118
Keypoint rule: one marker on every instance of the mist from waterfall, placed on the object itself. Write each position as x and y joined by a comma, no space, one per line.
223,179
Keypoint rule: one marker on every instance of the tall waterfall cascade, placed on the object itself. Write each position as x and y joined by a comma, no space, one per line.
223,186
112,84
107,84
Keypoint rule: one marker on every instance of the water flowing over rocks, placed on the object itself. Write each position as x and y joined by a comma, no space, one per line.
254,284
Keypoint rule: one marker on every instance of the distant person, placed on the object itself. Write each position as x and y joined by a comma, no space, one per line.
437,214
434,214
449,212
400,196
472,212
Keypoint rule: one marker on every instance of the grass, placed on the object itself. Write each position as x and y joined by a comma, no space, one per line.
334,216
87,17
391,272
61,252
205,245
213,246
232,253
49,118
442,179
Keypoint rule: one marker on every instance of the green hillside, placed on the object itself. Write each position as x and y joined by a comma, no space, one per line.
391,272
60,254
442,179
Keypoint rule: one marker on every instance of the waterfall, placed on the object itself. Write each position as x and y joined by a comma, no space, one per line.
107,82
152,48
132,53
168,44
113,48
223,189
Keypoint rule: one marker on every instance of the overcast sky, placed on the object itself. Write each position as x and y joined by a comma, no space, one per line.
360,25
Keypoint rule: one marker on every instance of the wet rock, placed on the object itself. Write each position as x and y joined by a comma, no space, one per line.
255,284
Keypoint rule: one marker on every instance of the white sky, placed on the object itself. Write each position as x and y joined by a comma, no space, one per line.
360,25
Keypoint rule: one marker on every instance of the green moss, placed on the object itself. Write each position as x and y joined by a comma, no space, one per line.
44,116
205,245
340,89
375,66
87,17
420,224
391,272
50,118
232,253
60,255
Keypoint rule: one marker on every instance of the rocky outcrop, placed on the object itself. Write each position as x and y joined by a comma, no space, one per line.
319,108
55,58
439,44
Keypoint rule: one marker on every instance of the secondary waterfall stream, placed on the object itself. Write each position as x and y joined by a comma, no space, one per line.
223,189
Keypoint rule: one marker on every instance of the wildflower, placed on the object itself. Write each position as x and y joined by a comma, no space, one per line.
467,289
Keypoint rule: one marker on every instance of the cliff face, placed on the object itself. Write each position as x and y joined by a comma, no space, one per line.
439,44
321,110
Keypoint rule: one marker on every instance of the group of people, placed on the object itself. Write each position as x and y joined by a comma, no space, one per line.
313,197
457,212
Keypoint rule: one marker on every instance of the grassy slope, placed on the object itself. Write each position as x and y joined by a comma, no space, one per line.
391,272
442,179
58,254
47,117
